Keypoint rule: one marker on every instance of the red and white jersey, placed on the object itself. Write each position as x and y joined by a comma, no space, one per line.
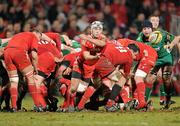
71,58
119,55
44,46
56,38
93,49
145,50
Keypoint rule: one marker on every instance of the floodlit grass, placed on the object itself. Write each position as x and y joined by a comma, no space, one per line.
90,118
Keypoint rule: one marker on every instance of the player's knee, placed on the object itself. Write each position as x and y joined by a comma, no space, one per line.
82,87
115,76
72,89
29,76
150,78
167,76
140,74
14,80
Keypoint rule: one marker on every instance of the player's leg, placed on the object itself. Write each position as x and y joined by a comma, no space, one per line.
140,75
39,78
88,93
76,77
168,86
119,81
28,72
14,79
22,90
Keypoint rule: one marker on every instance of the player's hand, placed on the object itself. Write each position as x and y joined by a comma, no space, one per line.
83,36
69,43
67,71
98,55
179,61
169,46
58,60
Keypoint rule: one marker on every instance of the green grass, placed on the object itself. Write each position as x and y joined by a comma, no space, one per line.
101,118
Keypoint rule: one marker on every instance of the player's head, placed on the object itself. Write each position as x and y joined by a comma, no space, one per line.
96,28
147,28
37,33
154,19
134,49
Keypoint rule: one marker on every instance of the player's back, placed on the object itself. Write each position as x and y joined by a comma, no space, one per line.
44,46
24,40
117,54
55,37
71,57
142,47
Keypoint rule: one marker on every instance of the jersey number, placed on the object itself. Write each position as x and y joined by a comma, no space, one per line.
121,49
43,42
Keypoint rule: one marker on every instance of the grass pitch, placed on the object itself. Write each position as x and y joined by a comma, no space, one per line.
91,118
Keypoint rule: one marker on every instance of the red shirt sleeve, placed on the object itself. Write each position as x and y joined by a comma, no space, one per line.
55,37
127,68
34,43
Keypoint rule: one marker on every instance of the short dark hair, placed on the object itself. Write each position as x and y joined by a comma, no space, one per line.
133,47
153,15
146,23
36,31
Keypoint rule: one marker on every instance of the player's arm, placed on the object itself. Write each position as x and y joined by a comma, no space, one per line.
67,48
46,38
34,60
5,40
175,41
127,69
67,40
56,38
97,42
88,56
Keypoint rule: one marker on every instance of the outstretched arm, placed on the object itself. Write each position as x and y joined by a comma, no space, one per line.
176,41
97,42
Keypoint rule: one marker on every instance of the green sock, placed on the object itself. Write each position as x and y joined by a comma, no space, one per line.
162,91
148,93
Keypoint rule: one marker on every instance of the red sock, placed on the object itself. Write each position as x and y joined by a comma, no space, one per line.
110,103
66,99
64,105
149,85
124,93
135,94
41,97
88,93
141,94
72,99
14,94
33,91
43,90
65,81
162,98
